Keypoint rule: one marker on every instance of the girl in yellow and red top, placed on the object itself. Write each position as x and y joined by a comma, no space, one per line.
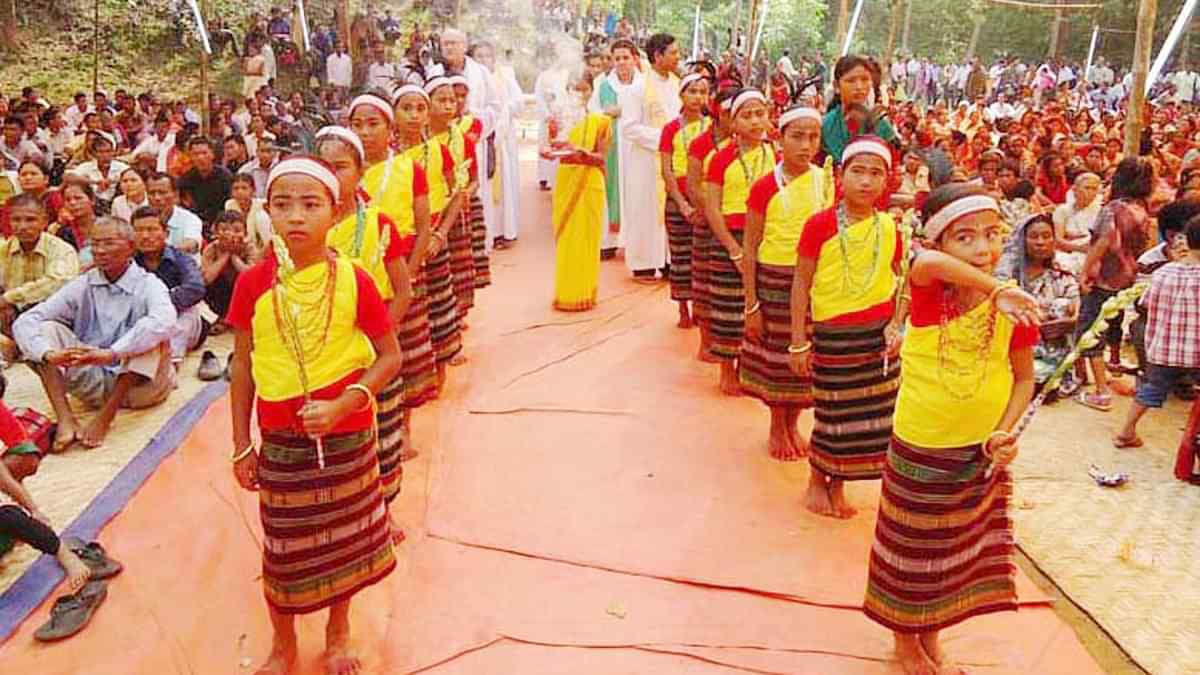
681,213
700,154
313,345
443,129
472,129
733,170
779,205
368,237
847,271
944,540
411,105
400,188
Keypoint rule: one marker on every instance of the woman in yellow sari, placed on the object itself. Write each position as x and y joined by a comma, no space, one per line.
579,207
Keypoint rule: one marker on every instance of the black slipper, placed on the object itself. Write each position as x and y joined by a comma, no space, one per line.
71,613
95,557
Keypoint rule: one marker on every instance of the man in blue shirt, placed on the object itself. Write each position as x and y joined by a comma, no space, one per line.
103,338
178,272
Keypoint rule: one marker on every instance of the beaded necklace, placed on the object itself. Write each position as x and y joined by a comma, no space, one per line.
683,131
783,180
976,332
758,164
852,283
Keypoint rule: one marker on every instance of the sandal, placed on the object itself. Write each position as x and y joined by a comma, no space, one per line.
95,557
71,613
1101,402
1127,443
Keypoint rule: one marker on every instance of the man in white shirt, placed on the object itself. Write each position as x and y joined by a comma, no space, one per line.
339,69
269,67
74,114
60,135
1001,109
103,172
260,168
381,75
786,66
185,230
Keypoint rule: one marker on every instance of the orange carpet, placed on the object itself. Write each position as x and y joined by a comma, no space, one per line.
574,466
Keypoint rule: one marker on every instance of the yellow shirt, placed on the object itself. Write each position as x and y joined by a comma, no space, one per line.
390,186
855,285
736,173
370,249
435,159
785,212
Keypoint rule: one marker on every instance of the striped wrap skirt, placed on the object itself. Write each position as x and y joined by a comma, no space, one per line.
325,531
388,414
483,267
853,400
763,368
944,542
419,372
727,301
444,330
462,264
679,243
701,241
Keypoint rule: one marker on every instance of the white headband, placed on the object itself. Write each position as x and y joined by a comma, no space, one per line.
459,79
794,114
868,147
306,166
689,81
376,103
955,210
436,83
746,97
112,140
344,134
726,104
406,90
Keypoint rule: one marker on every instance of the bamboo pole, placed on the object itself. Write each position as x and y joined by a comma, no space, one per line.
843,23
889,55
95,46
1147,9
204,98
907,26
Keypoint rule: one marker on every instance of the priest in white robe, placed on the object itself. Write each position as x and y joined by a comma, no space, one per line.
646,108
505,179
608,95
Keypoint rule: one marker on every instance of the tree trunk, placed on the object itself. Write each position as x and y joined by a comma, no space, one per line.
8,25
1135,118
907,26
843,23
893,27
95,45
1055,35
977,19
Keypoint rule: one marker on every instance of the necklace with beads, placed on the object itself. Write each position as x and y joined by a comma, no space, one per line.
854,282
964,345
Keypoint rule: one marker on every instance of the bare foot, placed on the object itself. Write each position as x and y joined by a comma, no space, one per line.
462,325
338,658
93,435
798,441
685,317
458,360
730,386
409,453
398,535
280,661
932,647
68,435
781,447
837,498
77,572
817,498
913,659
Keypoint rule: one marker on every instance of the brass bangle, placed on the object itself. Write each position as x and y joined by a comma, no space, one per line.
237,457
754,309
998,433
793,349
992,297
737,258
370,404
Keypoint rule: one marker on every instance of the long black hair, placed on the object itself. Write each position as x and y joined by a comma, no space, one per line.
848,63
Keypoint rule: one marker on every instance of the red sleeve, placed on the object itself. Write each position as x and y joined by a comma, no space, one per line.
761,194
393,251
700,147
373,316
897,256
818,230
407,244
716,170
666,141
249,287
477,128
420,186
469,154
447,164
1024,337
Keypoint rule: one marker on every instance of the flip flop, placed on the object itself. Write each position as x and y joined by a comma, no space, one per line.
71,613
95,557
1094,401
1125,443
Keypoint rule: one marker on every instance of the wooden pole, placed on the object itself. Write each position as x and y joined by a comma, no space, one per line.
907,26
889,55
843,23
95,46
204,111
1134,118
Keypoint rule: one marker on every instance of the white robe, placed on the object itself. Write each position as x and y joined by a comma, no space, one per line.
508,167
549,90
612,240
643,231
486,104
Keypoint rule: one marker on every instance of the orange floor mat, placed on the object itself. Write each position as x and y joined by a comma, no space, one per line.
594,439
